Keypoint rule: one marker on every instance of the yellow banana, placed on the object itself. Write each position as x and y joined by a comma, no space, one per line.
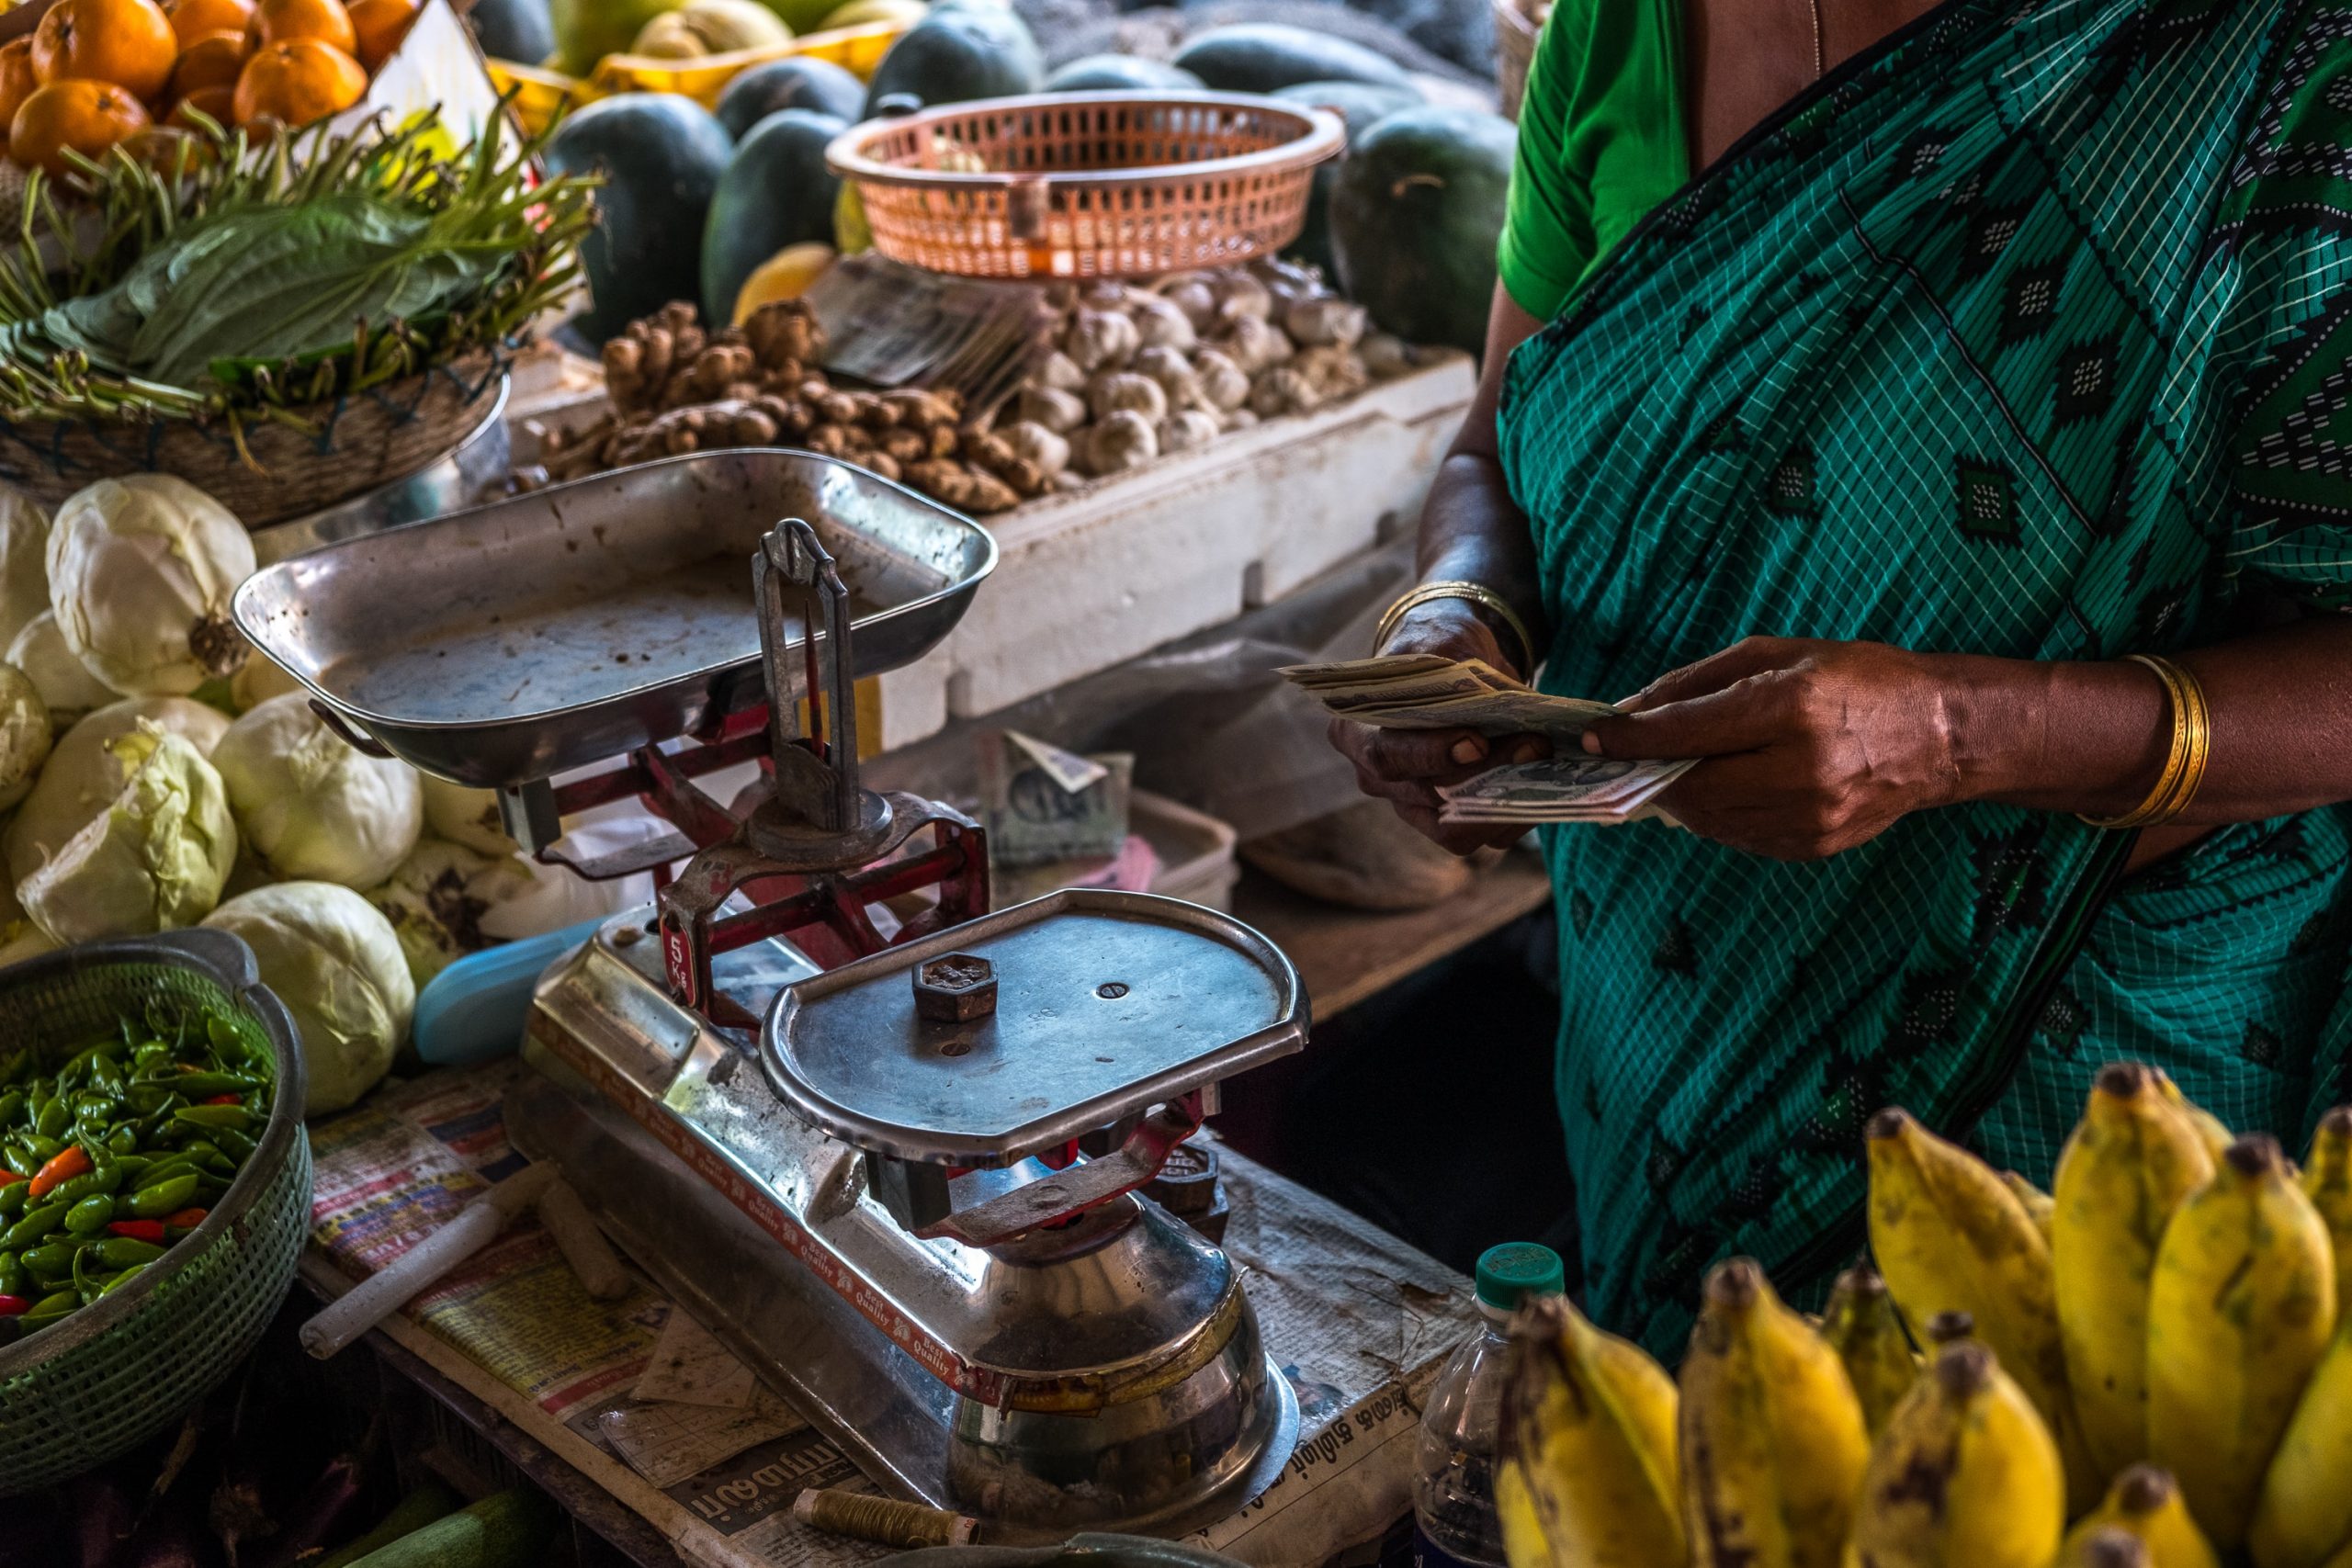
2039,1207
1586,1478
2239,1313
1964,1476
2210,1127
1860,1326
2129,1163
2304,1514
2327,1182
1773,1439
2145,1502
1951,1236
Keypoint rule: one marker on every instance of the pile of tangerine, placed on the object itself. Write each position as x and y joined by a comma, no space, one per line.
97,73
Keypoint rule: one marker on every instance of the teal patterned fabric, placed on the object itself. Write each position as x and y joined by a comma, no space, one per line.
2025,334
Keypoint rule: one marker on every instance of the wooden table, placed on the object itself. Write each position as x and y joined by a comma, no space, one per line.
1345,955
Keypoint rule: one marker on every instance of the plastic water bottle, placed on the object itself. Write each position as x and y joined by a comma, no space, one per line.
1454,1525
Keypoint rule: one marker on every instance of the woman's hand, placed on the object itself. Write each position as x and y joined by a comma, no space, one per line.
1405,767
1812,746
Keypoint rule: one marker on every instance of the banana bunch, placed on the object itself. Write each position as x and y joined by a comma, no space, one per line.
2152,1351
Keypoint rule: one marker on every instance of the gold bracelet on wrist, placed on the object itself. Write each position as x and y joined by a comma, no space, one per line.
2185,758
1477,594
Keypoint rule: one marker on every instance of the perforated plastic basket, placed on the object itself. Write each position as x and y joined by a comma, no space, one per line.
1088,185
120,1370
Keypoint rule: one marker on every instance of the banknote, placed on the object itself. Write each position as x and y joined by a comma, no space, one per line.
1423,691
1562,789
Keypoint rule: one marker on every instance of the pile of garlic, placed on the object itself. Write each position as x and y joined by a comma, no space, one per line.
1135,372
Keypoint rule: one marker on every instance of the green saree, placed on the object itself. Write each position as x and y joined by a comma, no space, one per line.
2025,334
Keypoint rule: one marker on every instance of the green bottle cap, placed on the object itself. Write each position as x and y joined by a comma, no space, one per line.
1517,1269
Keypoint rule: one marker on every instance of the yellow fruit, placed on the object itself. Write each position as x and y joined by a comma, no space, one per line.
2103,1546
2327,1182
1773,1439
1964,1476
2145,1502
2210,1127
1587,1472
2039,1207
2133,1160
2304,1514
865,13
1860,1326
2239,1315
784,275
1951,1236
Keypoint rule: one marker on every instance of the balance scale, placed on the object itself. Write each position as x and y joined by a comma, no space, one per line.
901,1178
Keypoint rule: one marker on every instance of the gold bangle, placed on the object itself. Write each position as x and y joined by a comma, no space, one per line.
1477,594
2185,728
2201,748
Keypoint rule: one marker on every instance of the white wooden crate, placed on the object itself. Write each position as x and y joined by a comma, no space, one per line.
1093,578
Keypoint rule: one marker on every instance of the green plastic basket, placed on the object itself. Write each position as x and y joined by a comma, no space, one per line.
123,1369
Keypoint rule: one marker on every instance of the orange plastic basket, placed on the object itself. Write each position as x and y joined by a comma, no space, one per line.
1088,185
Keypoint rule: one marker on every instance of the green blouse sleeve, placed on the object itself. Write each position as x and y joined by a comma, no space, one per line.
1600,143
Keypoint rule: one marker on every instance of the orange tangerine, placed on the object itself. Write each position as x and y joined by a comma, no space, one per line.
16,80
127,43
87,117
219,103
297,83
191,19
213,60
285,21
381,24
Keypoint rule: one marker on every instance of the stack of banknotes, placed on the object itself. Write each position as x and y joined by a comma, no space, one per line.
1426,691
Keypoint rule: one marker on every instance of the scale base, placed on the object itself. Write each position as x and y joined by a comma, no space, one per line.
911,1432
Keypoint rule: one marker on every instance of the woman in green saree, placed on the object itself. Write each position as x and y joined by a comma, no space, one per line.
2015,341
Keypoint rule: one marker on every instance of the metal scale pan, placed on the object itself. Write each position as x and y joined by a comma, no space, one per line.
533,635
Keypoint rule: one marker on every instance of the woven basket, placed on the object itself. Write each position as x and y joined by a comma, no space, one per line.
1088,185
1515,33
364,441
120,1370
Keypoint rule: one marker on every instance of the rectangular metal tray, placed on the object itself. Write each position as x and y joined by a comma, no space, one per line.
517,640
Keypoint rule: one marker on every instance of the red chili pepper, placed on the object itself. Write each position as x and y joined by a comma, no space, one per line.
224,1099
64,1165
14,1306
10,1178
186,1219
149,1231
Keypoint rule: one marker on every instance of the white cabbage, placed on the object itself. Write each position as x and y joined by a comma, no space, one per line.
69,689
333,959
439,899
141,571
309,804
154,860
24,574
257,680
82,778
20,940
24,734
468,817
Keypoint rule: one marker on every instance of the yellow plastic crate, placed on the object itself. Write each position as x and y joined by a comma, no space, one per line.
540,93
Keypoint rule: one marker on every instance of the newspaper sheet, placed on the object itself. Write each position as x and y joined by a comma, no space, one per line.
642,1401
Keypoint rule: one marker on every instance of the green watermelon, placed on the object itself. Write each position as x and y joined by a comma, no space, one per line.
777,192
1416,213
519,30
1120,73
587,31
1361,104
796,81
1260,57
959,52
661,155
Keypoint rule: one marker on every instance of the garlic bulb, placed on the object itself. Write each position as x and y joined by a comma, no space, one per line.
1334,372
1193,293
1254,344
1057,411
1386,354
1117,389
313,806
24,575
1173,372
1321,321
1188,429
1239,296
1282,390
1224,386
1058,370
1098,340
1159,324
1032,443
141,570
67,688
1123,441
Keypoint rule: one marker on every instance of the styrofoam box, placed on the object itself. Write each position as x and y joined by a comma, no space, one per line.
1092,577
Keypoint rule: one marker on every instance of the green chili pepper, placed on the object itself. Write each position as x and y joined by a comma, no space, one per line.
120,1281
48,1310
13,1198
164,1170
53,1115
166,1196
41,1148
12,1105
204,1086
12,1275
36,1224
89,1184
124,1139
210,1117
90,1215
53,1260
234,1144
122,1251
